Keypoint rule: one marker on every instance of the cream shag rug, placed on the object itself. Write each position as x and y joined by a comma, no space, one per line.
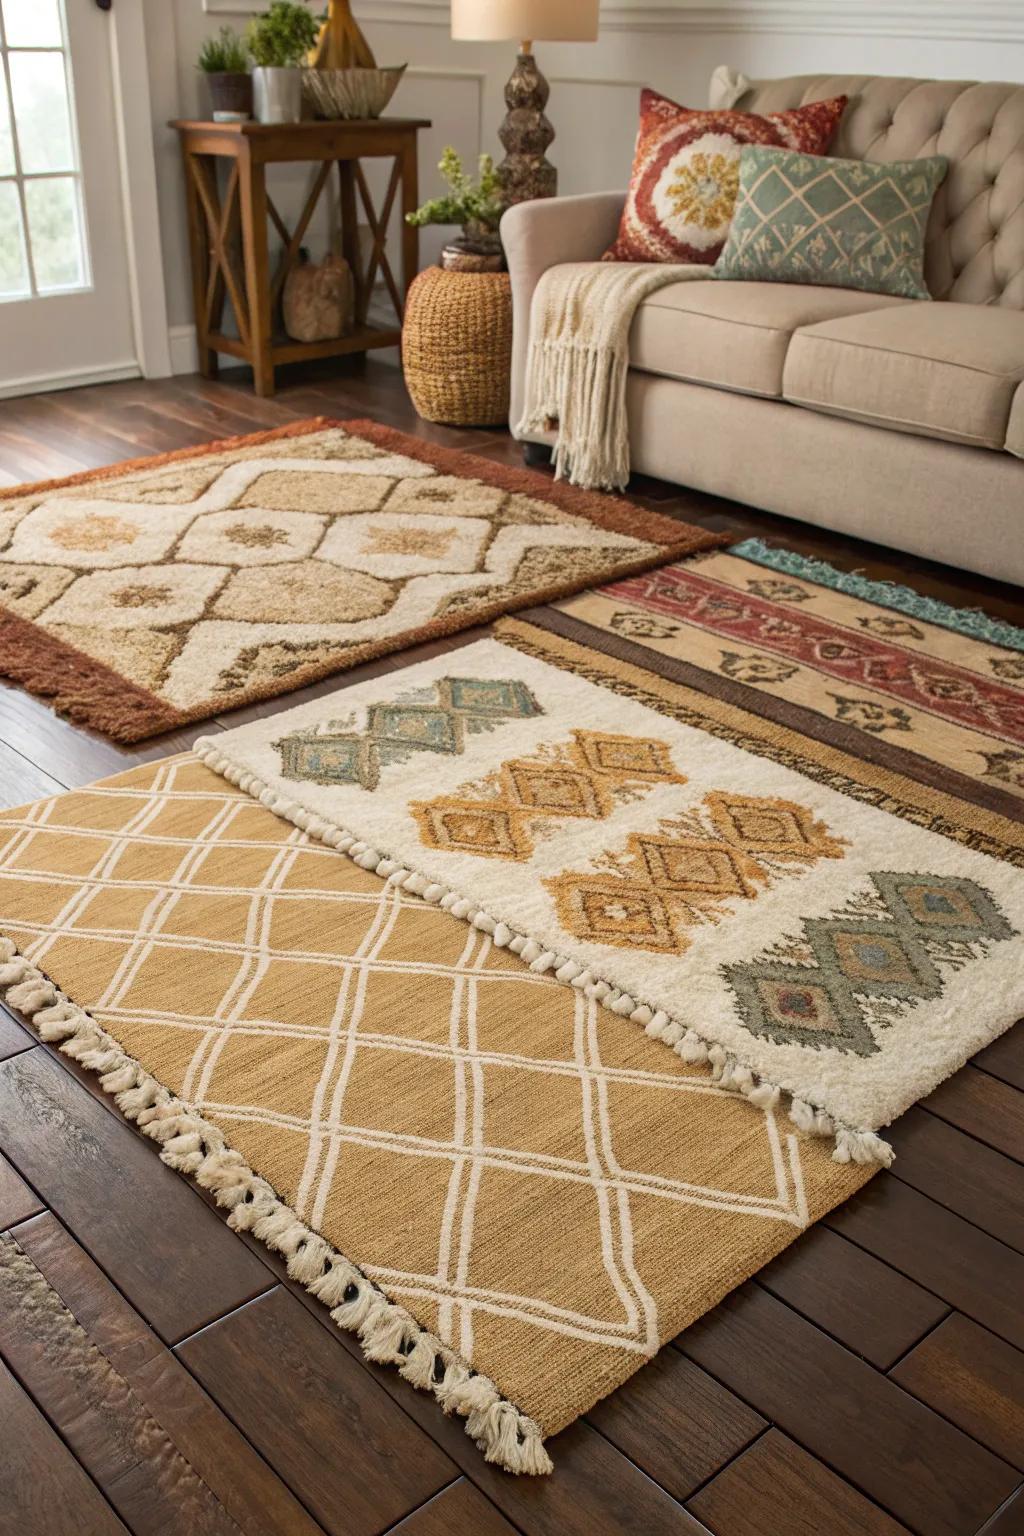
744,911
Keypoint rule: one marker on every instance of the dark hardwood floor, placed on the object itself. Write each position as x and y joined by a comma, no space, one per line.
869,1382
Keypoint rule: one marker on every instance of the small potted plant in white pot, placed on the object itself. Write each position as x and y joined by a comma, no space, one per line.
225,63
279,40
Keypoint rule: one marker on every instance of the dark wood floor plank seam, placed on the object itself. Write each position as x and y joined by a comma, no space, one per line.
831,1334
955,1307
816,1453
52,1425
998,1525
962,1130
798,1440
421,1508
726,1464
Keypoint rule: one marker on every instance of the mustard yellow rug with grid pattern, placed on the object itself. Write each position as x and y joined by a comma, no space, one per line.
510,1193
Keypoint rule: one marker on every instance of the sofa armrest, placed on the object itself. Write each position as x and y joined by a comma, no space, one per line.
545,233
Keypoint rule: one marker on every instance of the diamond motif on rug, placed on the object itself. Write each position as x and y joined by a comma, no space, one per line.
731,847
434,719
924,922
580,779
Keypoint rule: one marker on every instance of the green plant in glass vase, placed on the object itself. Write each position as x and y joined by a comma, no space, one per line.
475,204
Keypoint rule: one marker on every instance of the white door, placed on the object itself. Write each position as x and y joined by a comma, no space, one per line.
65,297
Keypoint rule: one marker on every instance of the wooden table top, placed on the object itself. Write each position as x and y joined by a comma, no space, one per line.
312,126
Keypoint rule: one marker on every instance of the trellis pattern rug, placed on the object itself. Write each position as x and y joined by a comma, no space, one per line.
599,823
149,594
933,691
426,1171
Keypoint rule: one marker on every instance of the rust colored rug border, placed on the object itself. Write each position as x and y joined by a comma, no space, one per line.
93,694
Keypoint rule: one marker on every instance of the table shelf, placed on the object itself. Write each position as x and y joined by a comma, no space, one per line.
228,232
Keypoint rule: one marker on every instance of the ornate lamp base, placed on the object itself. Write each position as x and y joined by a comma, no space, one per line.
526,133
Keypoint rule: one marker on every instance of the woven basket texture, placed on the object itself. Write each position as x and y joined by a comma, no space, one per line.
457,346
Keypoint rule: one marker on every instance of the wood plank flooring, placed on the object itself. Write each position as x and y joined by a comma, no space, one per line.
869,1382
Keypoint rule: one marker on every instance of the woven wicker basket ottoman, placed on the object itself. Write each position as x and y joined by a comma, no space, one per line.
457,346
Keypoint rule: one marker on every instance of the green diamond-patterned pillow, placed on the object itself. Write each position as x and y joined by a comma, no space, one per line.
845,223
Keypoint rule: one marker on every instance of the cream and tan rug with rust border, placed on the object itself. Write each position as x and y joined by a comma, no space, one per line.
148,594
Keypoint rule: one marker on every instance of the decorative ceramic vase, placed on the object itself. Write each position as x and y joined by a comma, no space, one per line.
230,95
341,45
277,94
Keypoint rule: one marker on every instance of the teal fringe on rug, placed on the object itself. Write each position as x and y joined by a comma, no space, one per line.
968,621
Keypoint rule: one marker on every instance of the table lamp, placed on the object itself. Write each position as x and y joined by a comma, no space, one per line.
526,133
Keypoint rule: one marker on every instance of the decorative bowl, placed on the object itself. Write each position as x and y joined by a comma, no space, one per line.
353,93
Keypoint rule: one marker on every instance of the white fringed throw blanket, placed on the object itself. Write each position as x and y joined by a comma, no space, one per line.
579,357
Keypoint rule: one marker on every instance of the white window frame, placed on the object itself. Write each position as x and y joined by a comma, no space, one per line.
19,176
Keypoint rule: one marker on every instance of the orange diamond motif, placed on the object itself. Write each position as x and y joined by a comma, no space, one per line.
580,778
770,826
688,878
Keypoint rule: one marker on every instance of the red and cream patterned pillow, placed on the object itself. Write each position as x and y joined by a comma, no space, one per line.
686,173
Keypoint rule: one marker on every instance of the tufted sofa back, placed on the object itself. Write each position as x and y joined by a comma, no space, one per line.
975,244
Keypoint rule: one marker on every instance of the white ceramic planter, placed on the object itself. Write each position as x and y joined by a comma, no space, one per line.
277,94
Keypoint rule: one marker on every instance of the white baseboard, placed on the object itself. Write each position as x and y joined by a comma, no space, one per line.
181,340
74,378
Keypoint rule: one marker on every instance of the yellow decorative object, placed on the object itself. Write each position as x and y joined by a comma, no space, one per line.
341,45
457,346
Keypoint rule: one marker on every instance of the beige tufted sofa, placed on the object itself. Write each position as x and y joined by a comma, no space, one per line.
895,420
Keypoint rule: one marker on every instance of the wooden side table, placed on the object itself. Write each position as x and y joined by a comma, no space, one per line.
222,224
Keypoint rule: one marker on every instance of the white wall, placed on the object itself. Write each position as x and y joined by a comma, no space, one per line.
671,46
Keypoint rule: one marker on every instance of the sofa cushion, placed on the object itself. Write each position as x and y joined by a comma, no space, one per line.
938,370
1015,430
734,335
819,219
686,169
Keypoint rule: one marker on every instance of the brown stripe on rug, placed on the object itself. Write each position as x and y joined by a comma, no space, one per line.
798,719
942,687
144,595
476,1167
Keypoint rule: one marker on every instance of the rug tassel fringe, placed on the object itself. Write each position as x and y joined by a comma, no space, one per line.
388,1333
851,1144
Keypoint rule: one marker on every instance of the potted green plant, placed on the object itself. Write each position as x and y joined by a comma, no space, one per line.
225,63
279,40
476,205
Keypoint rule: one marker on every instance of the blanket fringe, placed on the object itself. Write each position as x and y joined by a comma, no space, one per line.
188,1142
851,1144
578,362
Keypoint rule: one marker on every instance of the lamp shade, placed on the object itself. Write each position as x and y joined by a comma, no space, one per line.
553,21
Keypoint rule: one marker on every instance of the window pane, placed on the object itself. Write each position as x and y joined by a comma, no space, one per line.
13,267
54,229
32,23
6,144
41,111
